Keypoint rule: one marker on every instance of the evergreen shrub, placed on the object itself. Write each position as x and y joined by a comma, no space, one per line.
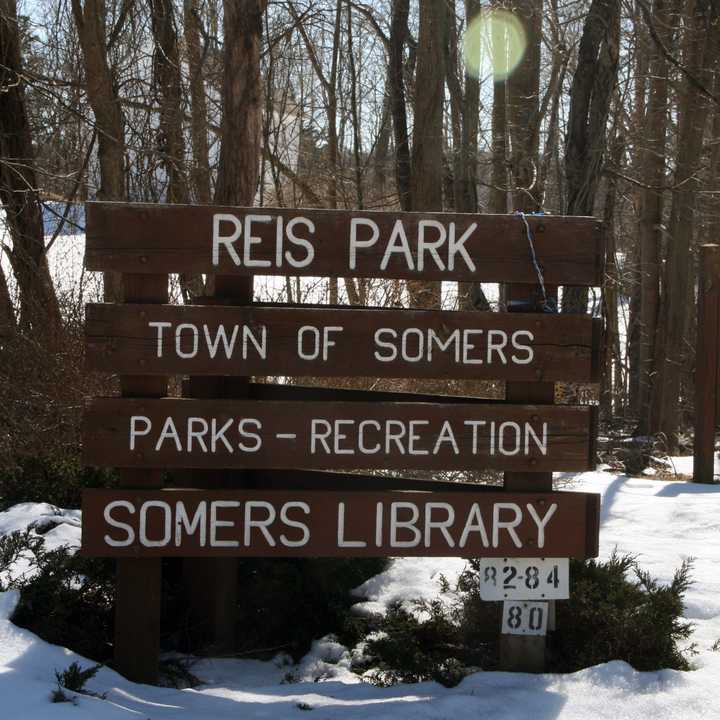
56,479
616,611
66,599
286,603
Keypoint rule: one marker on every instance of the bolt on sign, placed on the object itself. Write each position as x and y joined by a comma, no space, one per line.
282,432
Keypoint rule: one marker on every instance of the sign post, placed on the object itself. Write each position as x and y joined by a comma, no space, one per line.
137,614
252,452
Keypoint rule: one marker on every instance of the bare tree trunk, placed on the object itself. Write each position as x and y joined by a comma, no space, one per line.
467,185
552,98
167,78
455,90
523,87
240,147
171,139
90,21
703,46
590,96
712,200
632,261
398,38
611,389
19,195
354,111
465,158
522,90
651,211
200,173
8,325
428,141
498,201
381,151
242,103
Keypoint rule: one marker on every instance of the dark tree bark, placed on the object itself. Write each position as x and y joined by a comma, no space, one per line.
212,583
611,387
170,139
19,193
498,199
200,172
466,106
428,140
8,325
90,21
523,109
166,66
702,43
632,272
398,39
552,101
652,164
590,97
242,103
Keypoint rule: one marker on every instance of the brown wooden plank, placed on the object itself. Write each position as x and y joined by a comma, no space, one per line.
144,238
207,340
224,523
517,653
329,435
212,584
139,580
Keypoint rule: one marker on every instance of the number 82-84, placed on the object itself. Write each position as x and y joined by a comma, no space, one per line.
524,579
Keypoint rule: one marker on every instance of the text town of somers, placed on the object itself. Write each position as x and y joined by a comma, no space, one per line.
469,346
226,436
431,244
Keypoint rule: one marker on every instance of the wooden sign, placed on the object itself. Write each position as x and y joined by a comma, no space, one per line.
214,340
191,523
175,433
144,238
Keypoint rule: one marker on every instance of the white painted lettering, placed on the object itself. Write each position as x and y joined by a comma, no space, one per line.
110,520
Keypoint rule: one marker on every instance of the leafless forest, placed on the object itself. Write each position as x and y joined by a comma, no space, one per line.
612,111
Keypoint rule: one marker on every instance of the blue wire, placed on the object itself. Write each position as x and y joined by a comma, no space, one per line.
541,279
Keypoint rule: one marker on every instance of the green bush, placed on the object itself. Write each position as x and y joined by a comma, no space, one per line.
73,678
69,599
616,611
12,548
285,604
425,644
58,480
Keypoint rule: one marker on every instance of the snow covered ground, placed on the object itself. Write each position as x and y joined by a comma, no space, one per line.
661,522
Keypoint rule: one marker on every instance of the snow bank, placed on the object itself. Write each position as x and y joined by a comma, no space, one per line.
661,522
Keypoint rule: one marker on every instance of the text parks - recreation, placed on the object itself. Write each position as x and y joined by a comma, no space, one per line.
334,435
